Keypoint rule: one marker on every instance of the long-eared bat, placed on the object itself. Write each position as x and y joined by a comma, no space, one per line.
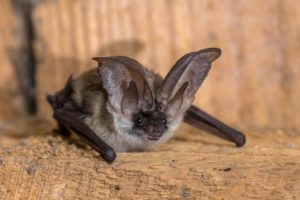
123,106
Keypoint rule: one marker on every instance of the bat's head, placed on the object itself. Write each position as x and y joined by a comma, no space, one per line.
145,105
150,124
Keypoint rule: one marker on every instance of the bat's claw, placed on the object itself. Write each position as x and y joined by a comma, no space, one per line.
109,155
241,140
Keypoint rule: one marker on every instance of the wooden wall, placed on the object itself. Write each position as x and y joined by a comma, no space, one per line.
254,85
10,99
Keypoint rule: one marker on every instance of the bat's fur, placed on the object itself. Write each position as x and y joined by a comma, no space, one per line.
114,129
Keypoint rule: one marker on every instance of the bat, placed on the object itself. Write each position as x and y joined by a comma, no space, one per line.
122,106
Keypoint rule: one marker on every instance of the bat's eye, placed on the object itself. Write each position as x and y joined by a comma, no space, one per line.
163,121
139,121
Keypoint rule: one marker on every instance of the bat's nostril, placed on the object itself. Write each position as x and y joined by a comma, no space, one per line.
157,132
159,129
150,129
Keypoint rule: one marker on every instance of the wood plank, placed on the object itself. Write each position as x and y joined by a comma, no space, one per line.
10,98
35,164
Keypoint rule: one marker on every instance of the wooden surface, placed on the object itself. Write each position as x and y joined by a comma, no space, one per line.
254,86
36,164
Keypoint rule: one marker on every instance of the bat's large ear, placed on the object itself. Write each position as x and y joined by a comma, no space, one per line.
125,83
181,83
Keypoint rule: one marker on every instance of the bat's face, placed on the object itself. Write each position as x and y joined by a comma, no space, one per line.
151,124
145,125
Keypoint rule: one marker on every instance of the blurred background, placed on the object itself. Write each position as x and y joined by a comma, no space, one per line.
254,85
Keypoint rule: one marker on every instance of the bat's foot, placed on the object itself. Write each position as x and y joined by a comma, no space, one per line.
61,132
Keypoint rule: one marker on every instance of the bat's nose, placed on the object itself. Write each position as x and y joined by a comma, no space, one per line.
154,133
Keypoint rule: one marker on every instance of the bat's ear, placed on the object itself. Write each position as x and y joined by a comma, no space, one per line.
129,104
184,79
125,83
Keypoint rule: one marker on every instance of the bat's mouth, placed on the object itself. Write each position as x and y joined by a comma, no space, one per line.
153,138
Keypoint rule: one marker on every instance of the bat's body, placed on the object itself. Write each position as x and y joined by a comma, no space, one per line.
123,106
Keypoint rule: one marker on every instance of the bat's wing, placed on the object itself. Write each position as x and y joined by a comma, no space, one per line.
69,117
200,119
72,120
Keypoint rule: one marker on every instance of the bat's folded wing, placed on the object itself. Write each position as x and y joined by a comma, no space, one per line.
72,120
200,119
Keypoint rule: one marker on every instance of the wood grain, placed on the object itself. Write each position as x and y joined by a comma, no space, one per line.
35,164
251,86
10,98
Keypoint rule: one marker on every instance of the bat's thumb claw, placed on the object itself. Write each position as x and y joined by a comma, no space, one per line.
109,155
241,140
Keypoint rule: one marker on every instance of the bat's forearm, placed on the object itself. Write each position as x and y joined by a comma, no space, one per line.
72,121
200,119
